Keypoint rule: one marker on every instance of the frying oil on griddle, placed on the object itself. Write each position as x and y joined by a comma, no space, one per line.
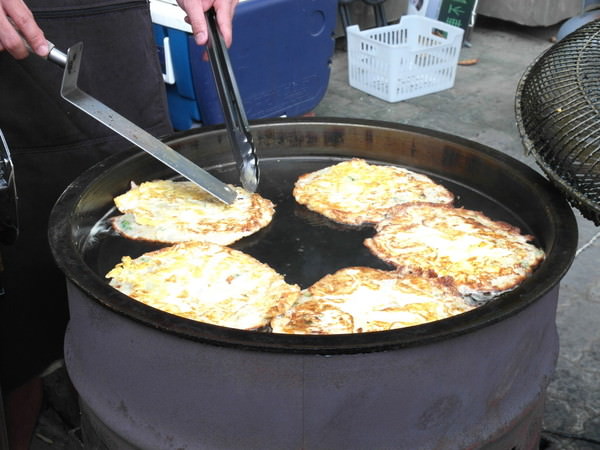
306,246
300,244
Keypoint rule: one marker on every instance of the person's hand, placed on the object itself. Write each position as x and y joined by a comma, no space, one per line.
15,15
195,17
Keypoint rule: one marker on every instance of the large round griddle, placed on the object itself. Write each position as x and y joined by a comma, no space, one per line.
305,246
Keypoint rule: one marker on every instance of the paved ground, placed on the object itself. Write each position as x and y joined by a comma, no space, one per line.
480,107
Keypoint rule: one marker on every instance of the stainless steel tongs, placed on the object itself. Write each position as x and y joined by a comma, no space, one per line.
243,147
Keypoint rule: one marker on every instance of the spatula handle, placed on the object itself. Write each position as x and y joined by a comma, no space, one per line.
55,55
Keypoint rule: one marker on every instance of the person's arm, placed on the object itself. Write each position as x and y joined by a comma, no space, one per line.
195,16
15,15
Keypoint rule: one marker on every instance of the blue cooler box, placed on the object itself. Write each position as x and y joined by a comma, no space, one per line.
281,55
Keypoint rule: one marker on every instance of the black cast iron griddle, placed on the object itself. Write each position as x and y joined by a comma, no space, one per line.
305,246
299,243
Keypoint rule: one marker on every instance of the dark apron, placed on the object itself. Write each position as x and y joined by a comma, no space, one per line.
52,143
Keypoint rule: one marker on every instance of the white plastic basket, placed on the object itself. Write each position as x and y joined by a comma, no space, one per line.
418,56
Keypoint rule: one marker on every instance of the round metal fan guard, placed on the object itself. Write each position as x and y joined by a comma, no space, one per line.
557,108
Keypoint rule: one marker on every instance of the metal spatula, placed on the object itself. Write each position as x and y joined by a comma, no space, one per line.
240,137
70,92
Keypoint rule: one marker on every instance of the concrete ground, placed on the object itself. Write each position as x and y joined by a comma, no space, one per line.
480,107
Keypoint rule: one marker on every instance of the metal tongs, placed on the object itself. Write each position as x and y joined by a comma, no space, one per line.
155,147
243,147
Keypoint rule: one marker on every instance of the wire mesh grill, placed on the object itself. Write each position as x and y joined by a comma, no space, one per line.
558,115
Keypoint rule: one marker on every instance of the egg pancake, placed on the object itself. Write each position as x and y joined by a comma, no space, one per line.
179,211
206,282
362,299
354,192
484,257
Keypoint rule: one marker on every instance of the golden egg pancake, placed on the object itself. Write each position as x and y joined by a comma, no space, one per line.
362,299
354,192
179,211
484,257
205,282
